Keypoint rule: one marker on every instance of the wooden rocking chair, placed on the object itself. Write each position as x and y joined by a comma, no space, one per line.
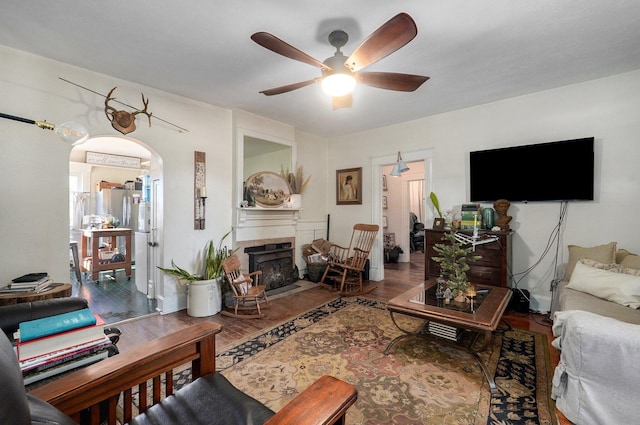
346,264
248,295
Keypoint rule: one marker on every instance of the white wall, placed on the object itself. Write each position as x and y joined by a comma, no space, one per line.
34,166
606,109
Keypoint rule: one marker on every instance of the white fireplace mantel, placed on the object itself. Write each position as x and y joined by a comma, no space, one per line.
263,223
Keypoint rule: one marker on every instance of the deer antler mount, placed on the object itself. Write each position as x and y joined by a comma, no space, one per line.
123,121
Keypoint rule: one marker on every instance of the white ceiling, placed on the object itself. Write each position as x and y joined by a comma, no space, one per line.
474,51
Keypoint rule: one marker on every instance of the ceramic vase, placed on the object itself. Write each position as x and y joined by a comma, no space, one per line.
488,215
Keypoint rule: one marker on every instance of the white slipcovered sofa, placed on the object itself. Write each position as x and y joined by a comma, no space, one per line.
597,329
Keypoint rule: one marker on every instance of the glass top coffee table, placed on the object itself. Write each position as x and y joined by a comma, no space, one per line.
446,322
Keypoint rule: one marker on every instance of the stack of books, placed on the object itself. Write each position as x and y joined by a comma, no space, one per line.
471,217
53,345
444,331
38,282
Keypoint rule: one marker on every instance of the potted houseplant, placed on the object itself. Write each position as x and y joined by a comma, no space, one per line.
204,290
453,259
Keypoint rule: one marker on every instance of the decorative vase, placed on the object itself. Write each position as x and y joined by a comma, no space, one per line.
296,200
488,215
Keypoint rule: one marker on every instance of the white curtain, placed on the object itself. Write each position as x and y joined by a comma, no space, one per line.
78,212
417,199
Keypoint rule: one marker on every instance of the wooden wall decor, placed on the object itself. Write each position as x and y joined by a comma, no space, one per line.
199,189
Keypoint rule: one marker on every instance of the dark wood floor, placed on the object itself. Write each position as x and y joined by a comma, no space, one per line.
399,277
114,296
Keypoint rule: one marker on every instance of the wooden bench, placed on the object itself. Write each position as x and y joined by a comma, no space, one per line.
325,402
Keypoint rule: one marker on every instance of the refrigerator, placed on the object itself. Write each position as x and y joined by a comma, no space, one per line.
143,274
123,204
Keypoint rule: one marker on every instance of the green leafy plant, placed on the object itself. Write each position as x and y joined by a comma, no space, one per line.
214,256
436,204
453,259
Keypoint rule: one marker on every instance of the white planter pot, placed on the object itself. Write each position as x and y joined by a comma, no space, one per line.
204,297
296,200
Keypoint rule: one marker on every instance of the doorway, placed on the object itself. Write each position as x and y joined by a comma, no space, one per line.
404,213
103,173
420,164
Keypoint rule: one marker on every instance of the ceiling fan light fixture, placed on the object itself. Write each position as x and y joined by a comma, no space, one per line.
338,84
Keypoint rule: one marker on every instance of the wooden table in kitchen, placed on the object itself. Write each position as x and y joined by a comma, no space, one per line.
482,320
89,250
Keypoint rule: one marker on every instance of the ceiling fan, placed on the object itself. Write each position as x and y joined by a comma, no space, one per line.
340,73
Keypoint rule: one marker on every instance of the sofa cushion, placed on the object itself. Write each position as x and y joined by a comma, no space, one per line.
620,288
602,253
210,399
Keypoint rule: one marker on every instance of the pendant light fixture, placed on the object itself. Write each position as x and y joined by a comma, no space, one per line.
399,167
70,132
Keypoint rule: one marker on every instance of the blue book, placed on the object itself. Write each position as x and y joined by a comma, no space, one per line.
46,326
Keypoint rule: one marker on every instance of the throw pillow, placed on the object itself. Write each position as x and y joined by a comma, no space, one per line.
631,261
618,268
621,254
601,253
598,265
620,288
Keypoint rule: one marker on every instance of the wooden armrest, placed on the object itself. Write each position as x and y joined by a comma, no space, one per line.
105,380
325,402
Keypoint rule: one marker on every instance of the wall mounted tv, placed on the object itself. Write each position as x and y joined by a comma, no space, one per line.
555,171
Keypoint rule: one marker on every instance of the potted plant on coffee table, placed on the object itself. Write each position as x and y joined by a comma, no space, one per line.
204,290
454,258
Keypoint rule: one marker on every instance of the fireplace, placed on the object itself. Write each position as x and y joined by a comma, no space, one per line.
275,260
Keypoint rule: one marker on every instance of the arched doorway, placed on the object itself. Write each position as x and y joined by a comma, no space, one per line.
135,171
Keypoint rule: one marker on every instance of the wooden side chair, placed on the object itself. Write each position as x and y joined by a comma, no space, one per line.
346,264
248,295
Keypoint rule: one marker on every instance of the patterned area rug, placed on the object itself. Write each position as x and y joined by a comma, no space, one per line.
419,382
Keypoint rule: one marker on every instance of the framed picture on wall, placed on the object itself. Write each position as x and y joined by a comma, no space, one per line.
384,202
384,221
349,186
384,182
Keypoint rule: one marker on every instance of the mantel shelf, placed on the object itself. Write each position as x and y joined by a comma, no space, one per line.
258,223
259,217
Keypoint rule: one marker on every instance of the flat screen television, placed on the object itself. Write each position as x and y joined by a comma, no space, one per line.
555,171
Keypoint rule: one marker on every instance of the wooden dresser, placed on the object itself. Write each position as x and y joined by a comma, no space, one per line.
492,269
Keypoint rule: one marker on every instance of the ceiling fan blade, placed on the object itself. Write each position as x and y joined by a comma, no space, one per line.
283,48
342,101
289,87
391,36
391,80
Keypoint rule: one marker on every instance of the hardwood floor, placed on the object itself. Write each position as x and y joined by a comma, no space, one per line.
399,277
114,297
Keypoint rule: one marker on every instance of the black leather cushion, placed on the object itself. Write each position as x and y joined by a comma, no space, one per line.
210,400
12,315
14,408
